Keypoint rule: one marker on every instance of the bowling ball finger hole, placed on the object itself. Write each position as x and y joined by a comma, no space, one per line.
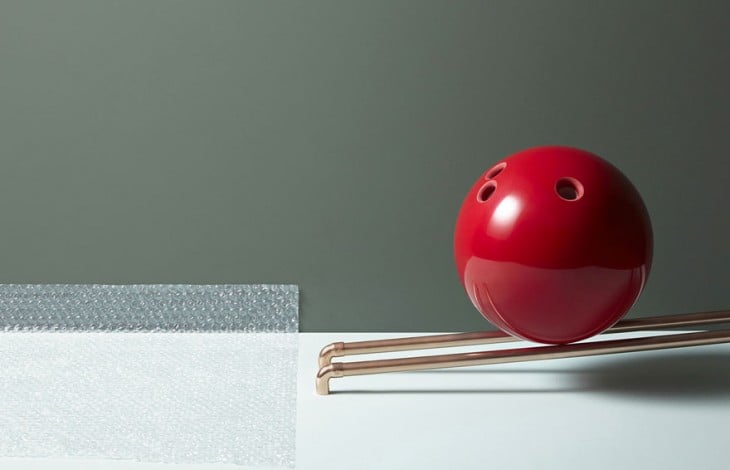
569,189
495,170
486,191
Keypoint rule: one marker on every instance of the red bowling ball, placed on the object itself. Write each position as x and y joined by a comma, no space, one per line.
553,244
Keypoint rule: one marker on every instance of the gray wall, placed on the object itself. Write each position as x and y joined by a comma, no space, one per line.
330,144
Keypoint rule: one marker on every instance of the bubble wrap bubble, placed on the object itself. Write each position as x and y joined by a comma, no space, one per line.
154,396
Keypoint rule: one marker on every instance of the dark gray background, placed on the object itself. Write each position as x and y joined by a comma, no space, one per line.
330,144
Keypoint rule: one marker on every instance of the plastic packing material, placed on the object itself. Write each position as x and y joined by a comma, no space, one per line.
153,373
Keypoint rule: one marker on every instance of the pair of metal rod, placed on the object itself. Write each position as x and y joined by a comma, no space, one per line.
329,369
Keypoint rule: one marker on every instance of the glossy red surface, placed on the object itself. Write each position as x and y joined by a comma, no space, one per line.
553,244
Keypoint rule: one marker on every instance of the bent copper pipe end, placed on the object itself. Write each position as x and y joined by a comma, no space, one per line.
322,382
330,351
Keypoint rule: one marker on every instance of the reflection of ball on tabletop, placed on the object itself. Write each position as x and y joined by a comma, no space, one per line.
553,244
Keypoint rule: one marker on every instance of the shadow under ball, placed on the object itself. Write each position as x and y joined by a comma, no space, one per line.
553,244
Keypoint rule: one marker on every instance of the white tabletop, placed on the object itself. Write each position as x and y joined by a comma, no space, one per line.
661,409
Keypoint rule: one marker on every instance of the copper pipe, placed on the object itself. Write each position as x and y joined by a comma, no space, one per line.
411,343
340,349
344,369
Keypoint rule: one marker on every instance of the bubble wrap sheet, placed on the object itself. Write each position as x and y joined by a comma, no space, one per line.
150,307
155,373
